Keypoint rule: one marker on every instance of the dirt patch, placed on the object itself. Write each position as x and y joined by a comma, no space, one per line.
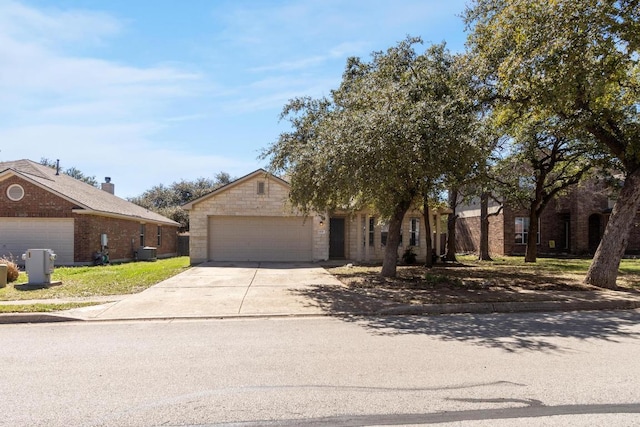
459,283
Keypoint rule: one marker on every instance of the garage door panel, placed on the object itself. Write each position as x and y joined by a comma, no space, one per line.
237,238
19,234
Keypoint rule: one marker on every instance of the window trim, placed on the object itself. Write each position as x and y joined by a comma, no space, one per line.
384,234
372,231
414,232
159,235
142,233
524,238
15,186
261,188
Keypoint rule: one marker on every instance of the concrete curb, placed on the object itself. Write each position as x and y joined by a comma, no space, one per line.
511,307
402,310
12,318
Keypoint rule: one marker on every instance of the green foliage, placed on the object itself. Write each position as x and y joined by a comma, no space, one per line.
395,125
441,279
72,172
575,62
409,257
168,200
542,162
387,137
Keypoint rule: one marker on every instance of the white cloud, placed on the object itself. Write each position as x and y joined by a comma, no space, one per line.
125,152
54,27
63,95
89,112
41,78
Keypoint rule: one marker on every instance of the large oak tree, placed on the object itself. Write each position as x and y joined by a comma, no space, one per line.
542,162
383,139
167,200
577,61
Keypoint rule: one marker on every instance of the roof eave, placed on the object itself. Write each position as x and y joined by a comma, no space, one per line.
126,217
44,187
189,206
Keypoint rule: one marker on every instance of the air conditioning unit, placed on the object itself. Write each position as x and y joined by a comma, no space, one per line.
147,253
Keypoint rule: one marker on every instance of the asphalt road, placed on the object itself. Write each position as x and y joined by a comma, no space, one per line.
478,370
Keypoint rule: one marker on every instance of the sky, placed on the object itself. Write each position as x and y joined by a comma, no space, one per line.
152,92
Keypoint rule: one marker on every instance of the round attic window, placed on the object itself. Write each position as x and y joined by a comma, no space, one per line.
15,192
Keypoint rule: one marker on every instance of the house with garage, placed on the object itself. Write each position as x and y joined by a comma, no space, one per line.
251,219
41,208
572,224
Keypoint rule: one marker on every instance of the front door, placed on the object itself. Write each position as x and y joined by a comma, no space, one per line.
336,238
595,233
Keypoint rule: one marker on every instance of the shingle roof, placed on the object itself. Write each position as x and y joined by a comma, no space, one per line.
87,197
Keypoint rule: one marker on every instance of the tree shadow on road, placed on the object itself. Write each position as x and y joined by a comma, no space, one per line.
509,332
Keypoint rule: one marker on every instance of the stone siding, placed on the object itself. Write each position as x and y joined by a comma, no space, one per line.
359,248
241,198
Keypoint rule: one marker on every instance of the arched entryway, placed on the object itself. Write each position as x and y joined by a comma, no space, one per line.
595,232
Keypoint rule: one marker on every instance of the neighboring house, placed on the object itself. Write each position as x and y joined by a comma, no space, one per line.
572,224
41,209
251,219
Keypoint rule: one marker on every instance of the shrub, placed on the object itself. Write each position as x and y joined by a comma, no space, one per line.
409,257
12,269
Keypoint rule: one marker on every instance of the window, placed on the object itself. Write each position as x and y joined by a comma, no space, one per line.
414,232
159,236
372,227
260,187
15,192
384,233
522,231
142,230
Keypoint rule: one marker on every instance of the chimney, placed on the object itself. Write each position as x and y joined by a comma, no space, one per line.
107,185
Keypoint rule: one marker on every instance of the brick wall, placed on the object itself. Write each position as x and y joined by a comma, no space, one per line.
468,234
124,235
575,208
123,238
36,203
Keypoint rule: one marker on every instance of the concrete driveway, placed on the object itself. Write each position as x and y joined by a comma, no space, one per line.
222,289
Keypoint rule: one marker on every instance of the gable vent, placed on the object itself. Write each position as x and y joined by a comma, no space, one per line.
15,192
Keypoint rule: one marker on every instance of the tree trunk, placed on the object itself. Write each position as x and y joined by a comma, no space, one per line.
427,232
390,260
483,254
531,253
603,270
451,226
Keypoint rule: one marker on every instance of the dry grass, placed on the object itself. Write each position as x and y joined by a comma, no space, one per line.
505,279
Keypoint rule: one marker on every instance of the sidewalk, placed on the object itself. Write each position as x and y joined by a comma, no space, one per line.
225,290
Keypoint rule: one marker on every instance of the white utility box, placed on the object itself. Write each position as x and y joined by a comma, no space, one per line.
39,265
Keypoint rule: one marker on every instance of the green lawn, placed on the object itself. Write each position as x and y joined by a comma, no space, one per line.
42,308
118,279
629,268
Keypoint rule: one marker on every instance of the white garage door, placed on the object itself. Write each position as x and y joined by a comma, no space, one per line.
237,238
19,234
